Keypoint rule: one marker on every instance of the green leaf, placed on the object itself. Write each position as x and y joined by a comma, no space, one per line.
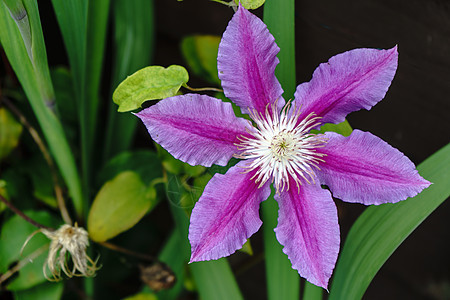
134,31
4,193
282,281
31,274
26,16
15,231
35,80
72,21
150,83
194,171
45,291
83,26
170,163
38,176
279,18
223,169
119,205
236,109
65,95
10,131
200,52
20,16
381,229
312,292
41,178
142,296
342,128
66,102
215,280
17,186
247,248
97,21
250,4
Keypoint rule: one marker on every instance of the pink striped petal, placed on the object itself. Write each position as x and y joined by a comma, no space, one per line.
246,62
226,215
348,82
197,129
309,231
365,169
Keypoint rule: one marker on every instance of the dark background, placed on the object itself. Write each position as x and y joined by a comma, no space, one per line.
414,116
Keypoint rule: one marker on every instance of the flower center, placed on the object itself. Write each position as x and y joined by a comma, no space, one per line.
281,147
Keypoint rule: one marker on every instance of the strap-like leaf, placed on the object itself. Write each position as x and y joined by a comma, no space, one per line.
381,229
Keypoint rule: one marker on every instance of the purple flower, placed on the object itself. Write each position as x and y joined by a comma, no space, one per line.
202,130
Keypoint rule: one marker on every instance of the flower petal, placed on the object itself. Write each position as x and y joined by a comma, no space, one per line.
246,62
309,231
196,129
365,169
226,215
348,82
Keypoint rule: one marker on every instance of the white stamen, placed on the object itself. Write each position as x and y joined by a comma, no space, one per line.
282,147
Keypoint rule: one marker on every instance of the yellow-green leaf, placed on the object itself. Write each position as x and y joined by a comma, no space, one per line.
44,291
119,205
200,52
150,83
247,247
251,4
142,296
342,128
14,233
10,131
3,193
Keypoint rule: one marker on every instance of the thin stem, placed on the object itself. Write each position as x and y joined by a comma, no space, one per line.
129,252
207,89
231,3
40,143
22,215
23,263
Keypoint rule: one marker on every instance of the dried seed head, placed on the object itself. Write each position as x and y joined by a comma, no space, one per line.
68,242
158,276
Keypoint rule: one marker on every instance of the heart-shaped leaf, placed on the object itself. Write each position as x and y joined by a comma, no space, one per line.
150,83
251,4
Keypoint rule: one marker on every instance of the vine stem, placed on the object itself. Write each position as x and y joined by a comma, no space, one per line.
22,215
230,4
207,89
128,252
40,143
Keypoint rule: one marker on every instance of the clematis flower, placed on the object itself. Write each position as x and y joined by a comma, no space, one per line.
280,149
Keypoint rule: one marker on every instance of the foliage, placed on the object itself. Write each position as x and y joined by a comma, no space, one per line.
86,168
150,83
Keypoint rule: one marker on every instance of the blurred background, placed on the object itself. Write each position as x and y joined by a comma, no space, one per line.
414,116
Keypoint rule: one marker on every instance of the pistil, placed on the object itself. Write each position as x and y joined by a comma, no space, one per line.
282,147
